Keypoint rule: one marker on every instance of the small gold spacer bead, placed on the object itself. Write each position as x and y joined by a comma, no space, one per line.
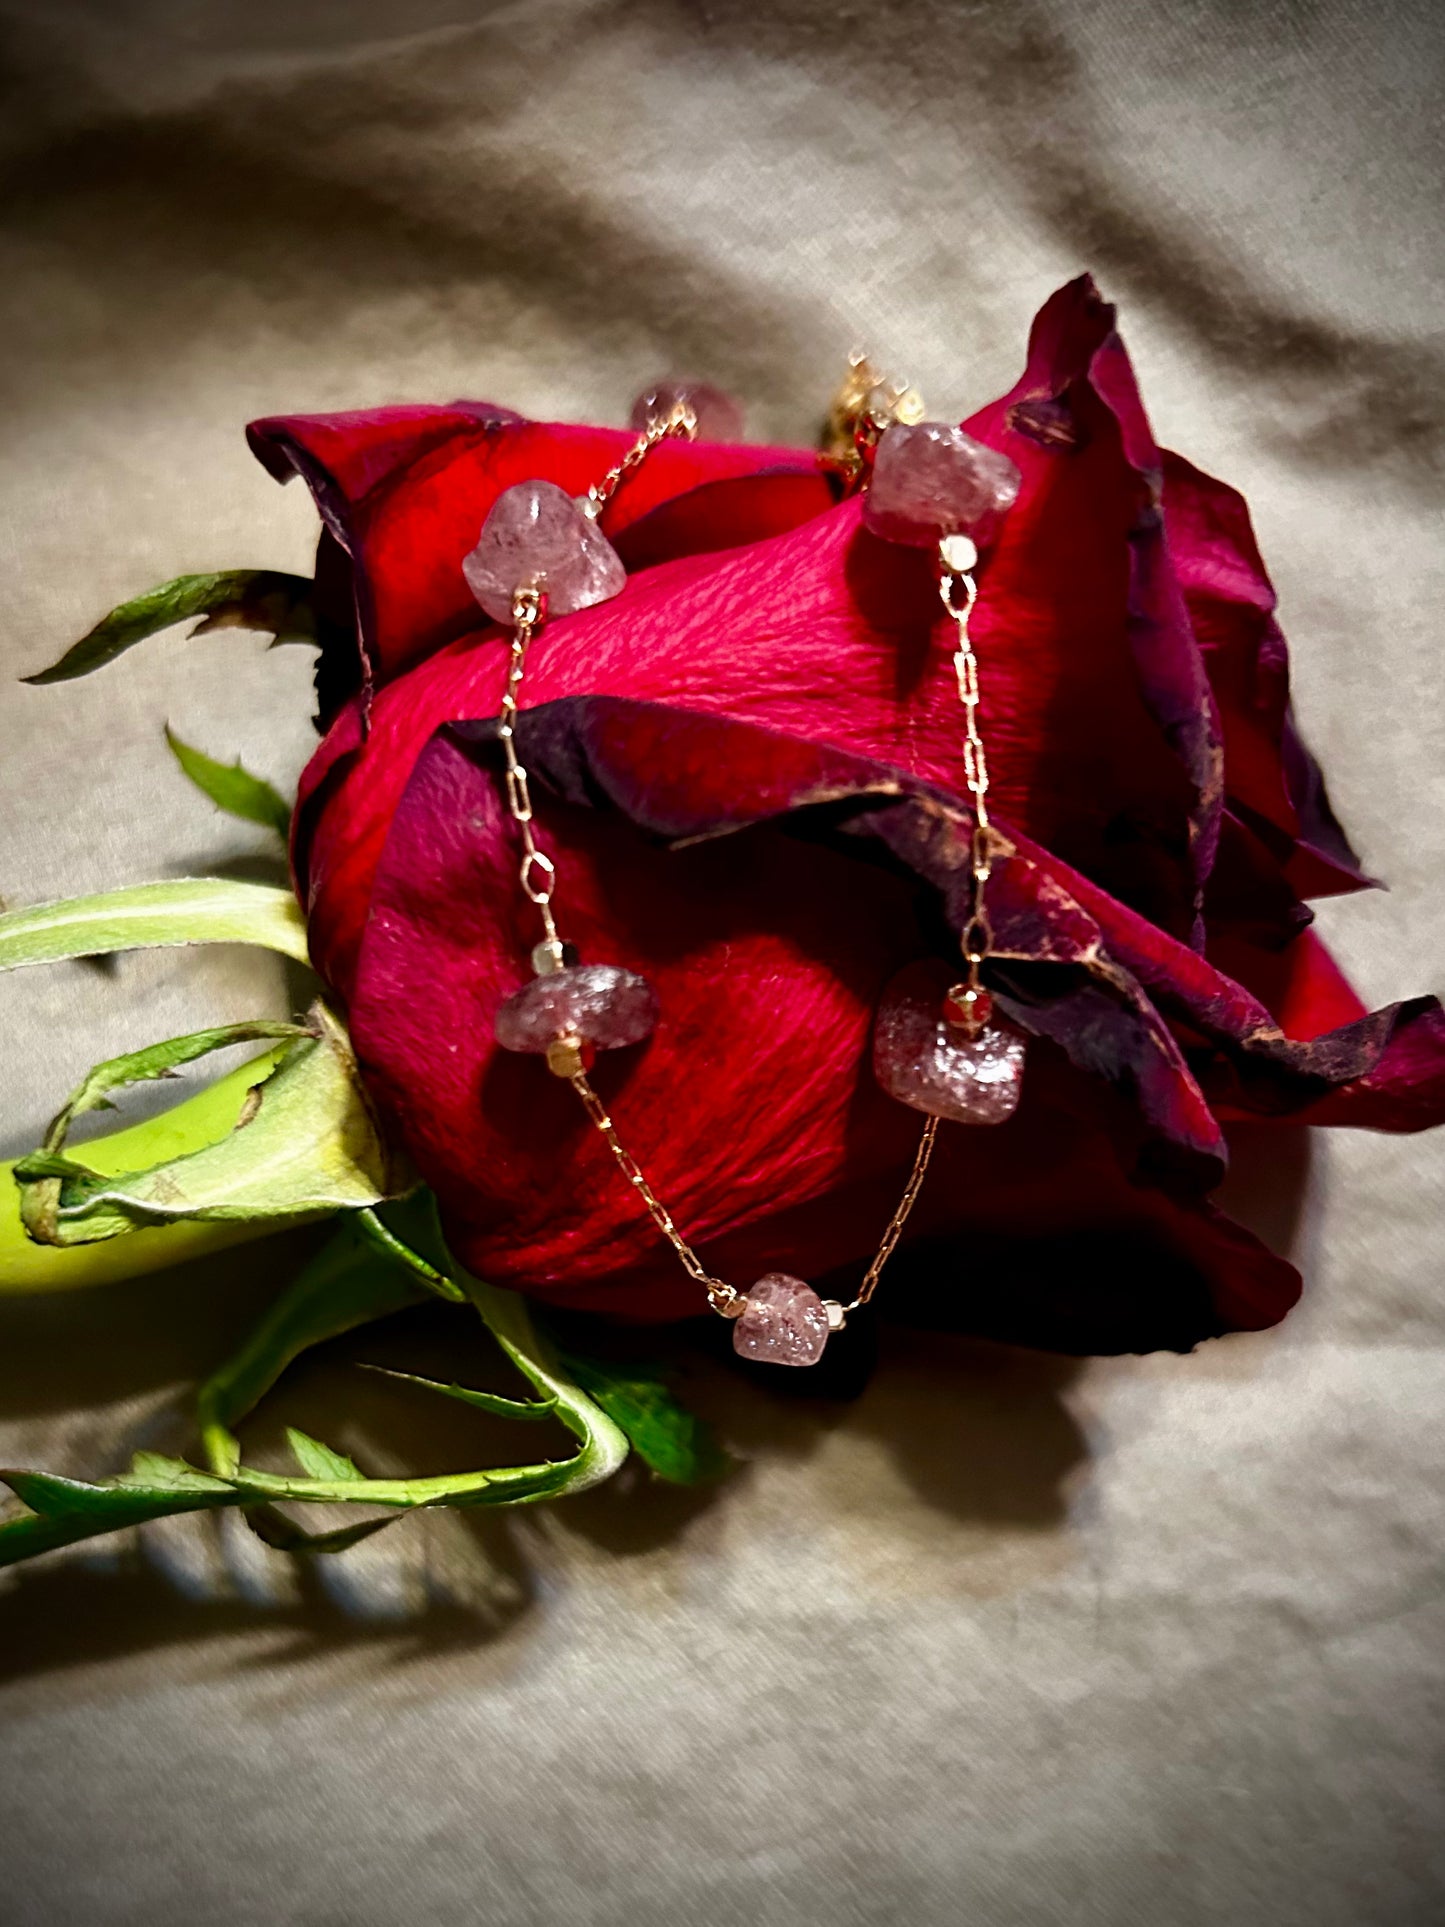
549,956
569,1056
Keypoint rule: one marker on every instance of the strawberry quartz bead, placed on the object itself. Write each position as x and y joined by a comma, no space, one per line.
926,1060
599,1004
537,535
718,416
931,481
783,1322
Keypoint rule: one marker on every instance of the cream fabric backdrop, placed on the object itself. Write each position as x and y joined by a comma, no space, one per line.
1009,1641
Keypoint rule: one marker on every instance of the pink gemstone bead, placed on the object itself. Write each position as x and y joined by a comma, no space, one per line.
536,533
719,417
930,480
596,1002
784,1323
923,1060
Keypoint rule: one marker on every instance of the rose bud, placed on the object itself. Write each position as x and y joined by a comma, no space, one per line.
747,769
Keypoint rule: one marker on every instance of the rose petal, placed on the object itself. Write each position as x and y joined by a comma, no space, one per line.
1271,780
405,491
1301,985
1248,894
1091,610
751,1108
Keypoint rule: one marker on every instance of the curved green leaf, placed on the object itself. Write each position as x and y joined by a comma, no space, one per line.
200,1120
305,1145
233,788
318,1461
493,1402
350,1282
675,1443
602,1443
158,1060
63,1511
385,1239
262,599
188,910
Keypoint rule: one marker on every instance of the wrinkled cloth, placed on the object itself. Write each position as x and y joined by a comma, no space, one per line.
1008,1639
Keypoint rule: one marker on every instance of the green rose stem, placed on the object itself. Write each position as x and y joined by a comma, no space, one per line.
203,1119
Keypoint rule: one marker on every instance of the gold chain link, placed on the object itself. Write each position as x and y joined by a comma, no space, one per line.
538,873
720,1295
955,583
900,1216
679,420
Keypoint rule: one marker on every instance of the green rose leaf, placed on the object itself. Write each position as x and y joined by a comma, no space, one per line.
264,599
233,788
675,1443
154,1472
318,1461
415,1217
352,1281
274,1529
493,1402
147,915
63,1511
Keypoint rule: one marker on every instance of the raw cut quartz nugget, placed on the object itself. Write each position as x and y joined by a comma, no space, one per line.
600,1003
930,480
785,1322
718,416
922,1059
536,534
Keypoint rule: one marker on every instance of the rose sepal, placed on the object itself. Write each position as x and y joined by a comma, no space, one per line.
26,1266
304,1145
147,916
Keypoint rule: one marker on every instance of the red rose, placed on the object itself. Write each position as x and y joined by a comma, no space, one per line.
748,769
